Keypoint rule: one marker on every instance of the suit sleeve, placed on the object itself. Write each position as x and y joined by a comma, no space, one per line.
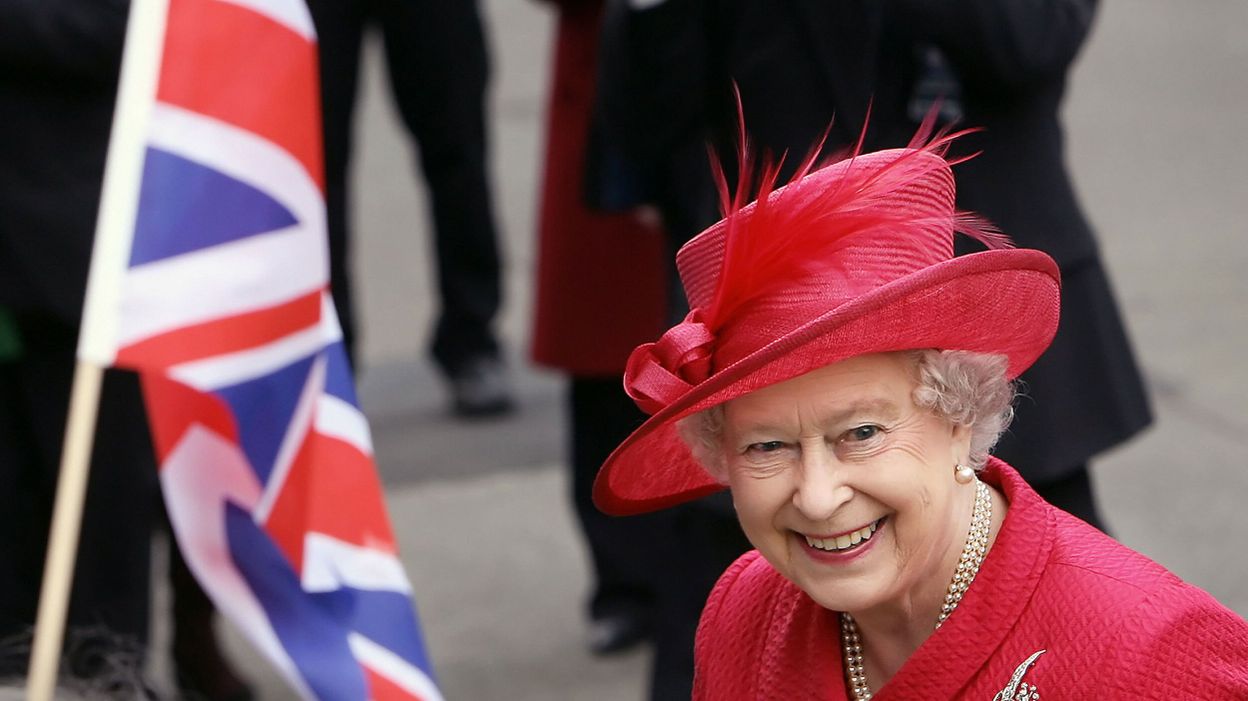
653,77
65,40
1180,643
1009,44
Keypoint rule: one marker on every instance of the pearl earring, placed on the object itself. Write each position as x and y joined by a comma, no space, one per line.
963,474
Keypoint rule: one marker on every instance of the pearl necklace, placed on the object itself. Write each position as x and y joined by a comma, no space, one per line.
968,566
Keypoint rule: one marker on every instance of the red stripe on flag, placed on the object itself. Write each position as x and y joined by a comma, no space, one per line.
172,408
231,63
382,689
331,488
226,335
347,503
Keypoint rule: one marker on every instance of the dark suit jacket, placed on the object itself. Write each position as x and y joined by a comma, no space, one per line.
59,61
667,78
58,77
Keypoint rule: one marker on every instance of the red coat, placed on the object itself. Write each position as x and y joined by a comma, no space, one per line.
601,286
1108,623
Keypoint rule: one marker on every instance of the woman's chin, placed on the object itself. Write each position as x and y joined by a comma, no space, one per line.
858,591
850,597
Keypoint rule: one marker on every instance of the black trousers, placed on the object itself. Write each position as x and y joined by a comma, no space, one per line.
661,565
109,601
621,549
438,69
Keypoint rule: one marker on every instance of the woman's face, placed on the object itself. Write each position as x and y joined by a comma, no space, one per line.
847,487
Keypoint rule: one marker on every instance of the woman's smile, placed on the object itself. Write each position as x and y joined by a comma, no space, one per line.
843,547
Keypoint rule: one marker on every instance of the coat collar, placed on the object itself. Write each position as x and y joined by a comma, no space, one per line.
948,660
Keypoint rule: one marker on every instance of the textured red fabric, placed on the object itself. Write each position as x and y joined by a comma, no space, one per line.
1112,624
601,280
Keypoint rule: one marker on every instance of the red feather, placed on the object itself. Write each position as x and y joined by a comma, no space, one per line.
801,227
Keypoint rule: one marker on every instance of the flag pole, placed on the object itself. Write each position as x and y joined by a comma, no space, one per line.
58,570
136,91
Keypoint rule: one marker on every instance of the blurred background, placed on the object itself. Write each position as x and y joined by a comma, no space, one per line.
1156,145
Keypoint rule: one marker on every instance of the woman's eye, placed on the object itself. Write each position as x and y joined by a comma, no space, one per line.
765,447
862,433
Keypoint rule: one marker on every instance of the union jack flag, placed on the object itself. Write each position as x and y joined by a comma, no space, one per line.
214,289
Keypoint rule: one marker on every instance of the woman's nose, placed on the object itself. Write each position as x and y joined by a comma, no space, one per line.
821,488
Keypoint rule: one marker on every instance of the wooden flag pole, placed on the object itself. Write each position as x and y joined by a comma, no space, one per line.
119,199
71,489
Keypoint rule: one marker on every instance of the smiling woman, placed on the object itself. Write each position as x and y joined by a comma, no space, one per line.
815,460
845,376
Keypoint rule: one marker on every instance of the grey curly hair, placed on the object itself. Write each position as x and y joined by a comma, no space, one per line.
964,388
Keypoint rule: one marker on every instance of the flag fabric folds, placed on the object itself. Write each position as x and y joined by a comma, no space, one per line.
222,306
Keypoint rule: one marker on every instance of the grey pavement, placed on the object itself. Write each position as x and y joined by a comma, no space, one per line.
481,511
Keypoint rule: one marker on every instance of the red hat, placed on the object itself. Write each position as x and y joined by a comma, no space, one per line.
853,258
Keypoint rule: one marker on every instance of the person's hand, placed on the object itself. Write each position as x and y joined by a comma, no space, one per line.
649,215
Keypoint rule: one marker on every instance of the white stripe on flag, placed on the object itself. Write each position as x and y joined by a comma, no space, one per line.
238,276
199,475
296,434
241,155
214,283
233,368
392,667
330,563
339,419
292,13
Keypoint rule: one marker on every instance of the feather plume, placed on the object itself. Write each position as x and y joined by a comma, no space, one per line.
801,227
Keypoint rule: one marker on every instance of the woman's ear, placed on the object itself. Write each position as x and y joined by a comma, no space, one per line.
960,443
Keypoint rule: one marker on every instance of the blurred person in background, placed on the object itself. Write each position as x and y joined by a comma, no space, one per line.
601,290
669,67
605,285
585,274
59,63
438,66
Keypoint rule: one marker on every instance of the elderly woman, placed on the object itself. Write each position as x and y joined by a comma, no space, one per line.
846,377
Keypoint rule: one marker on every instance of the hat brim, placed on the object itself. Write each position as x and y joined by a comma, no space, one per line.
1003,302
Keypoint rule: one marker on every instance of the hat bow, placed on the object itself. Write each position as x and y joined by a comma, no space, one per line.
658,373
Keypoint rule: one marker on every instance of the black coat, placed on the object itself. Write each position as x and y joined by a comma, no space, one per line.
58,77
667,78
59,61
